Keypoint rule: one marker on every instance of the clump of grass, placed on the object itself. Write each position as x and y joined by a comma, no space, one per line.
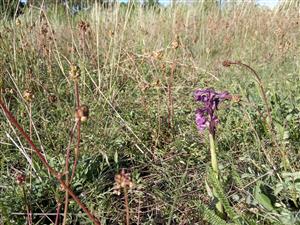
138,89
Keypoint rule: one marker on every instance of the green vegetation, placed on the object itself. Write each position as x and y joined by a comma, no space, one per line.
137,154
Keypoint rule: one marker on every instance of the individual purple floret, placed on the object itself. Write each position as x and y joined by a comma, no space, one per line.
201,119
205,116
210,98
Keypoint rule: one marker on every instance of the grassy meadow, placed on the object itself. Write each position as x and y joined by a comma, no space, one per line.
139,158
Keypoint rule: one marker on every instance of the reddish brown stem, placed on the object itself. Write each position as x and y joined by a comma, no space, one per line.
68,151
78,132
261,87
30,176
126,206
57,213
77,94
67,173
12,119
69,181
269,123
76,150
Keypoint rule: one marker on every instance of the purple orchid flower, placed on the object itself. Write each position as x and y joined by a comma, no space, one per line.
205,116
201,119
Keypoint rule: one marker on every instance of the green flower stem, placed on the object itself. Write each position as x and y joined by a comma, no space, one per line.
214,163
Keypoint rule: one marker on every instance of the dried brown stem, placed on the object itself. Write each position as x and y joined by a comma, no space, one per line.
77,94
228,63
54,173
57,213
76,156
126,206
69,181
30,175
66,172
78,132
261,87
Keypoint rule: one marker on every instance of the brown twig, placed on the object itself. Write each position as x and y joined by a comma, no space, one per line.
57,213
78,123
76,154
78,131
31,153
126,206
66,172
54,173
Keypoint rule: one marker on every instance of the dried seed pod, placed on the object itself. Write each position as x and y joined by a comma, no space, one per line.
158,54
236,98
226,63
28,95
18,22
20,179
122,181
52,98
83,26
111,33
74,72
176,42
82,113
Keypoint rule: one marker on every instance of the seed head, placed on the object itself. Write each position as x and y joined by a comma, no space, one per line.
122,181
74,72
226,63
18,22
158,54
236,98
111,33
82,113
20,179
52,98
83,26
176,43
28,96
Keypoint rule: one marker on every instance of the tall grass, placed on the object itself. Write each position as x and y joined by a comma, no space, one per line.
139,68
